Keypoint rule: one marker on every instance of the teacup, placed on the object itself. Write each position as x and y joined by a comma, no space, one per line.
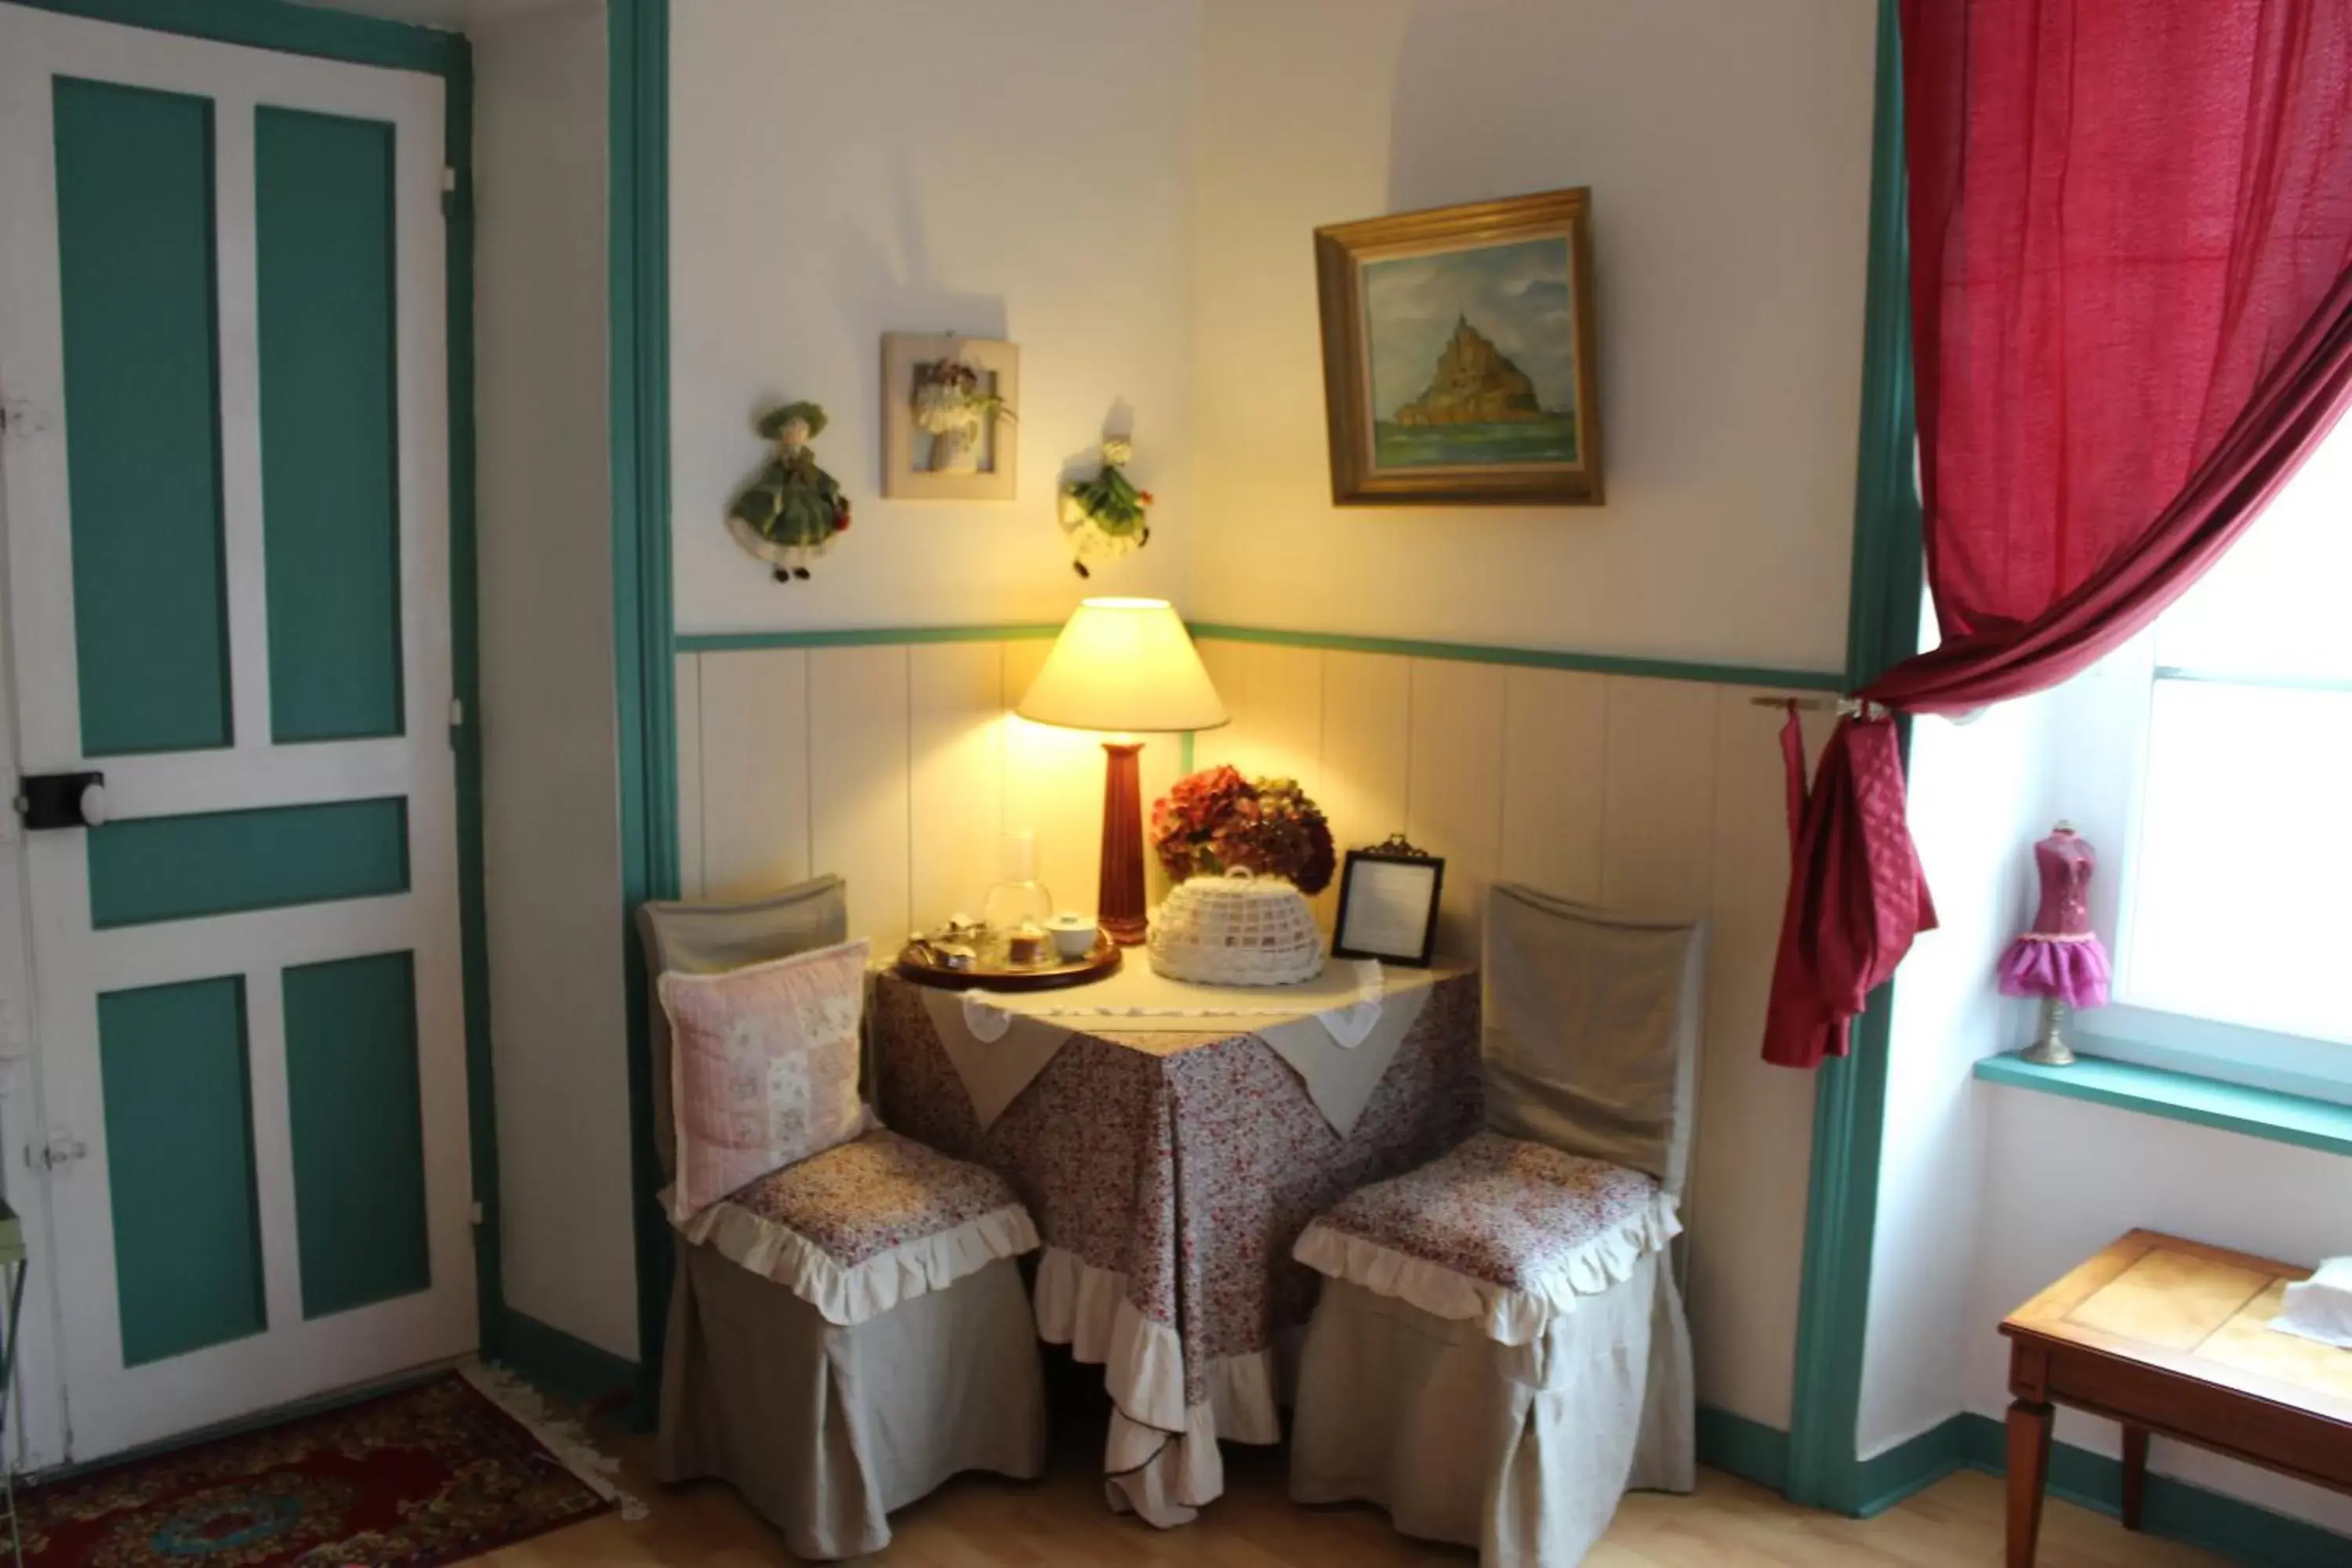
1074,934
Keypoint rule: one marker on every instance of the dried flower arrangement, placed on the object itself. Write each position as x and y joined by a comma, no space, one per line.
1215,821
951,403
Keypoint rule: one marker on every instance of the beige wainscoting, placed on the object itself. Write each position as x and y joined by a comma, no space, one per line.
897,765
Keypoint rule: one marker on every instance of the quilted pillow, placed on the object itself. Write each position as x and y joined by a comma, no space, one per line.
763,1068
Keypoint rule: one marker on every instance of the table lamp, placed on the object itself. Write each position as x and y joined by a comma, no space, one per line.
1128,667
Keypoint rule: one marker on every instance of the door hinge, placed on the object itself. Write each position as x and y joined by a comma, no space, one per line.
62,1149
478,1210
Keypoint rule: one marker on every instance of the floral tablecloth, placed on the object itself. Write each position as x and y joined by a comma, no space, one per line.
1170,1175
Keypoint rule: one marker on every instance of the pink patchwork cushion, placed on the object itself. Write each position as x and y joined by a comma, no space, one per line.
1500,1230
763,1068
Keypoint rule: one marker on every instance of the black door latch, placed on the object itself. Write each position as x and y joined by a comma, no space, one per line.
62,800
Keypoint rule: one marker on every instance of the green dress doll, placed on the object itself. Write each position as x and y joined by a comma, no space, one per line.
790,510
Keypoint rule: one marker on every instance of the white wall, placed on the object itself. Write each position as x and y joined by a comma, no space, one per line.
551,790
1020,170
1977,803
1727,146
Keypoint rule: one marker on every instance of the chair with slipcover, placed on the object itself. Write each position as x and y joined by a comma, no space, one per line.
846,1333
1499,1352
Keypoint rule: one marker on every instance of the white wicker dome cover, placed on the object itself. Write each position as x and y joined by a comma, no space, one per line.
1236,930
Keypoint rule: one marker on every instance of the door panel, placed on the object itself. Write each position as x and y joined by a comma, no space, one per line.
136,239
227,558
357,1130
187,1239
330,451
153,869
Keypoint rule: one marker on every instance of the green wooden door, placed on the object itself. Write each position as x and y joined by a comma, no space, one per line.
221,298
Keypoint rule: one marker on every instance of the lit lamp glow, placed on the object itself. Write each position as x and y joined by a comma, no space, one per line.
1128,667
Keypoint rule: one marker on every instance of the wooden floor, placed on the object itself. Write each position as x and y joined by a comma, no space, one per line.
979,1522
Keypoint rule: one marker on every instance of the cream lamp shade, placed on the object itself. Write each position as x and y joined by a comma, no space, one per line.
1124,665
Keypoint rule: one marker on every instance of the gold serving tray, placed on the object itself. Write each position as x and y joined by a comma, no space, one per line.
990,971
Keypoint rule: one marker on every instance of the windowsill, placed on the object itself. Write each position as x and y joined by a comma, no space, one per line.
2181,1097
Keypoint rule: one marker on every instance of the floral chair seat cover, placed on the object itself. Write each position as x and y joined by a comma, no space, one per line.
1500,1232
867,1224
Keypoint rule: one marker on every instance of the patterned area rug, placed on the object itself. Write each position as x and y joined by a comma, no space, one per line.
427,1475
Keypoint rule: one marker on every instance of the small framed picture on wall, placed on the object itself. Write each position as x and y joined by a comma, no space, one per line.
949,408
1387,904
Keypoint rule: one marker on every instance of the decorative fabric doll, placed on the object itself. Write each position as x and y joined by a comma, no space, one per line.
790,511
1106,517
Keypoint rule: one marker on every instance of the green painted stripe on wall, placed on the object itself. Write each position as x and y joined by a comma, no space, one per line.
1479,653
323,235
357,1130
179,1167
1532,657
856,636
153,869
134,175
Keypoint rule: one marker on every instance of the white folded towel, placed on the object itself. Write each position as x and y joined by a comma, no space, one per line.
2320,1307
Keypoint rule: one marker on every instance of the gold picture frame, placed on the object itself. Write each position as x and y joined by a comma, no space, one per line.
1458,354
909,469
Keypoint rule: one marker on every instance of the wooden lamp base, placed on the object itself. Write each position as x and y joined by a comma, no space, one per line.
1119,899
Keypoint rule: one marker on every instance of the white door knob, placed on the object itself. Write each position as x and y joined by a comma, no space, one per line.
93,803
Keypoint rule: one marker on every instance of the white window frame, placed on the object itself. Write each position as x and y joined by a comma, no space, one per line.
2099,734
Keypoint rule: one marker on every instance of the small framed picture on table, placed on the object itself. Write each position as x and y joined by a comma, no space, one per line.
1387,904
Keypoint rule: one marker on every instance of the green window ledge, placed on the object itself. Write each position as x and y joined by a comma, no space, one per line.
2183,1097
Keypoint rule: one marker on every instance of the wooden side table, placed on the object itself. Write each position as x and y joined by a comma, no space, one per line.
2173,1337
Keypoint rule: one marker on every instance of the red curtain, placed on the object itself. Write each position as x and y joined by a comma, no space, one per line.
2131,297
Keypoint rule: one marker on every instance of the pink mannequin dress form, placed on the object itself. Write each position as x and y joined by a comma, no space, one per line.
2061,958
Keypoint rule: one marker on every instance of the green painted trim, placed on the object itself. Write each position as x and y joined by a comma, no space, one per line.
2176,1510
1532,658
1882,628
1477,652
638,60
1911,1467
297,29
857,636
466,671
289,29
2294,1118
567,1367
1746,1449
144,869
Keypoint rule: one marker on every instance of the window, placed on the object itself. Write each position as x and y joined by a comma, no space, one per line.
2237,864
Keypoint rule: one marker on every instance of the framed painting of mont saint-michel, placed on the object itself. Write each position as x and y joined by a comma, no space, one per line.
1458,354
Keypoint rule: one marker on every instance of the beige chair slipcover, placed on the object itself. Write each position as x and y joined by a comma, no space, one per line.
824,1427
1591,1034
